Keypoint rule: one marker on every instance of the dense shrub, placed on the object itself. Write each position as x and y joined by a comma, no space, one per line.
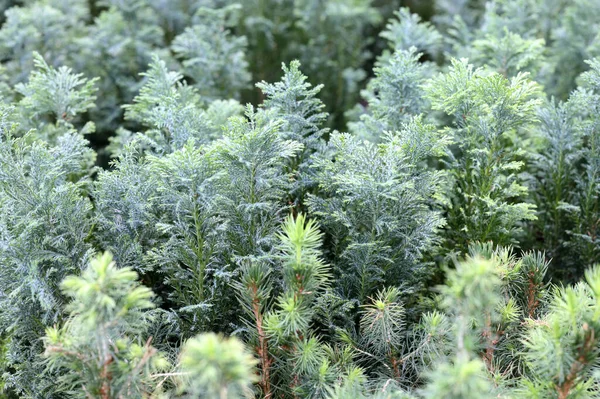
403,206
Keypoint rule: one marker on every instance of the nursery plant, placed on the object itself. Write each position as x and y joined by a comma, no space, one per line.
280,199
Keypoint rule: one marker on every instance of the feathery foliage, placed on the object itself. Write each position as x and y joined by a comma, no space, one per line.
109,305
397,209
374,202
488,113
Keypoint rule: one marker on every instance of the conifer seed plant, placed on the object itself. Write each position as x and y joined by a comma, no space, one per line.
299,199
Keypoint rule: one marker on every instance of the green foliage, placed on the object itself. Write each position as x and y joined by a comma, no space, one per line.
382,321
52,99
190,255
489,297
509,53
254,156
374,202
554,168
280,325
98,348
57,92
45,224
47,27
216,367
124,210
304,275
394,95
294,101
488,112
566,178
210,57
562,350
587,181
334,46
408,30
377,223
171,109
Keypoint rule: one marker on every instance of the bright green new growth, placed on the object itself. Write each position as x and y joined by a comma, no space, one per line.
562,351
99,344
304,275
280,324
382,322
216,367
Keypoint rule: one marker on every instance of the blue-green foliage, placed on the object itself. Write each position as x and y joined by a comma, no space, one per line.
296,102
46,219
213,59
488,112
394,95
374,201
408,30
566,177
373,219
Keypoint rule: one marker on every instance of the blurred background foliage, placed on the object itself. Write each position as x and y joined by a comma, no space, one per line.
336,41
